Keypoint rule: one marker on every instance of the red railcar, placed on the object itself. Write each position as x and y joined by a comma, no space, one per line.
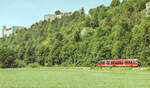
121,62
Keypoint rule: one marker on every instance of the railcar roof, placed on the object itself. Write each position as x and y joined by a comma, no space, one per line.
119,59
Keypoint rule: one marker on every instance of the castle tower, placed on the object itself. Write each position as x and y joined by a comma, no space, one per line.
148,9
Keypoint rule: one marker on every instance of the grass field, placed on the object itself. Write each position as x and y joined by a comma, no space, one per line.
71,78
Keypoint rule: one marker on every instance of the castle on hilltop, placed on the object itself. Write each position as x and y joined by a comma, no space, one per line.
52,17
10,31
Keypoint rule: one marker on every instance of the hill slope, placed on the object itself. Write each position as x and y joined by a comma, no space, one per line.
120,30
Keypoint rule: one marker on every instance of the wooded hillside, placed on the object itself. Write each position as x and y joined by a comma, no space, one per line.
118,31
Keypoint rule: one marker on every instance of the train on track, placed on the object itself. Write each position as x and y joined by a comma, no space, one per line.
121,62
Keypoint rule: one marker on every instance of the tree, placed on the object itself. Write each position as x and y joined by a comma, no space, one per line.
115,3
82,11
58,12
8,58
76,15
88,21
82,14
115,31
76,37
59,36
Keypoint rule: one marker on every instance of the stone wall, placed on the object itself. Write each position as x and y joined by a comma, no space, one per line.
51,17
148,9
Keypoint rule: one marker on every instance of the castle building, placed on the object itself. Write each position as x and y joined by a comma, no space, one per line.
67,14
51,17
10,31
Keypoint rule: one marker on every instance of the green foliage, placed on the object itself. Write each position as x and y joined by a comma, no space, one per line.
58,12
20,63
120,30
34,65
115,3
7,58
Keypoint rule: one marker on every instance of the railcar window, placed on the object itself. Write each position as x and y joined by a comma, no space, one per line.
116,62
120,62
133,61
110,62
130,61
127,61
102,62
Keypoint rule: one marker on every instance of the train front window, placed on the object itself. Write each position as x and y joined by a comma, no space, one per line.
129,62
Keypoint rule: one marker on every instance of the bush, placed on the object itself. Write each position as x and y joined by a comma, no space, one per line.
148,69
20,63
8,58
34,65
1,65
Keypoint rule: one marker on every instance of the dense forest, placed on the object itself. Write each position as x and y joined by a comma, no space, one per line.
118,31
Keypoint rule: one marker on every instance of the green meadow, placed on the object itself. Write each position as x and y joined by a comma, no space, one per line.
72,78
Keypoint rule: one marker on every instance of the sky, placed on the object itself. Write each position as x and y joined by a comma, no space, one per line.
27,12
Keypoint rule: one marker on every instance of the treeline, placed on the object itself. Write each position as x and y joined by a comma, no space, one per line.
118,31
